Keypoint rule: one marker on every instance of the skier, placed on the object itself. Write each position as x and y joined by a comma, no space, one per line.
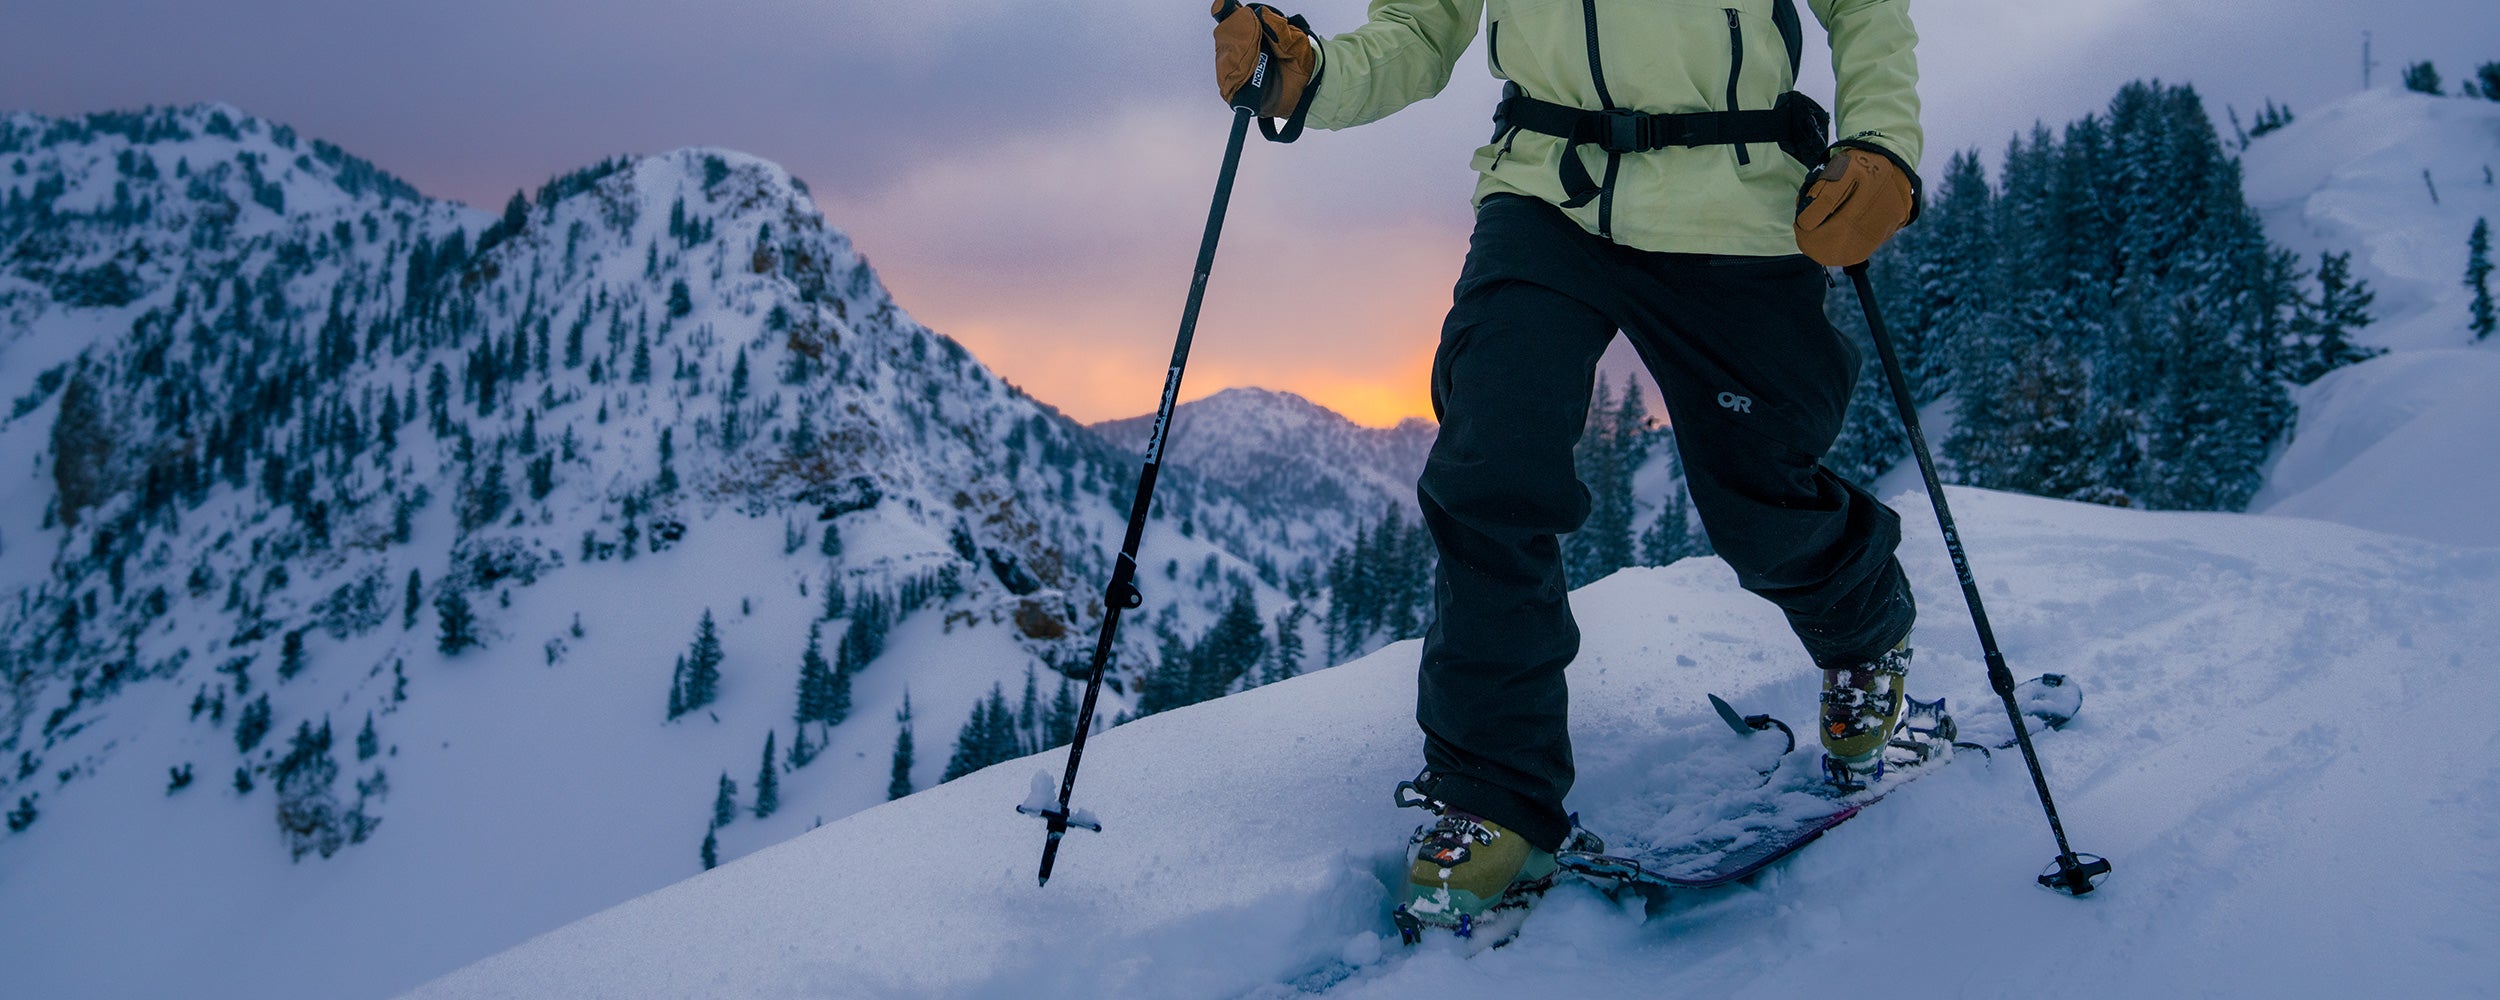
1652,172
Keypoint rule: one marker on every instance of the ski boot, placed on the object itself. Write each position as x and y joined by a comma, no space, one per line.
1467,875
1862,706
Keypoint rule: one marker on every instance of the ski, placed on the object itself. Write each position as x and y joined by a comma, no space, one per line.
1926,739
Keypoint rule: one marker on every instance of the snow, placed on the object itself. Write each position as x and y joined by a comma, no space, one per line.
2275,704
2276,707
2396,178
2402,442
536,779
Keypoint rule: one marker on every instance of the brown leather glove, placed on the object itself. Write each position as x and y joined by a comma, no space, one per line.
1239,29
1852,205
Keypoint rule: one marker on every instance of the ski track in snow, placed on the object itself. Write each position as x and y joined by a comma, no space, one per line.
2269,703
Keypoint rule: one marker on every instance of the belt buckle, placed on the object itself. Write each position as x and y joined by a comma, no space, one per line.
1622,133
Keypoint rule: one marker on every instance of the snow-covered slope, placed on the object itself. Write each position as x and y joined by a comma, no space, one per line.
2408,442
2396,179
2402,442
310,408
2286,749
1299,458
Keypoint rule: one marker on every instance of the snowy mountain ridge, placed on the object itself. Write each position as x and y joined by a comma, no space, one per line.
1299,458
283,421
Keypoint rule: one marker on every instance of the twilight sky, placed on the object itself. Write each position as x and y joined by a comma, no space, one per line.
1032,178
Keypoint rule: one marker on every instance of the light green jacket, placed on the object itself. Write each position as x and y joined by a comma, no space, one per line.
1657,56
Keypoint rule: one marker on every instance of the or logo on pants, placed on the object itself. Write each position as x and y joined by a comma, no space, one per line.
1732,401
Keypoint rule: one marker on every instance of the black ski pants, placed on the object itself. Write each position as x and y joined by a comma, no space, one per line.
1756,382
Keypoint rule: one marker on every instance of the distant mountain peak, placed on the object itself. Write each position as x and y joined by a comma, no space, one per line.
1289,453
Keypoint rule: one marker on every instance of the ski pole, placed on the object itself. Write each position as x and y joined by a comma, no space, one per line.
1121,594
2073,874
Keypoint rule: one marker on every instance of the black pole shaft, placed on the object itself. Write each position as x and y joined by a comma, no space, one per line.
1999,677
1122,594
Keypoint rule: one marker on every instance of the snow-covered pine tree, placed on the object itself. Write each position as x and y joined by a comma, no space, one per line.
864,639
2423,78
1029,714
677,689
1285,657
2229,294
1934,281
899,784
2131,351
768,781
1169,683
2486,81
971,743
2481,316
1609,451
1670,536
2322,327
1230,650
1990,365
667,481
724,802
1402,562
1000,741
801,752
290,655
817,695
1870,439
307,813
1060,723
82,449
252,725
415,600
703,662
459,622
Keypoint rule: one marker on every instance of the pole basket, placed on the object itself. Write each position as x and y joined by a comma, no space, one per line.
2075,874
1060,821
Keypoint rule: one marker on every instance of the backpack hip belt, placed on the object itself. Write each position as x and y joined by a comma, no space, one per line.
1796,124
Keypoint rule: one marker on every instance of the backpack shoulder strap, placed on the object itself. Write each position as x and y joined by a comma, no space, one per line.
1784,14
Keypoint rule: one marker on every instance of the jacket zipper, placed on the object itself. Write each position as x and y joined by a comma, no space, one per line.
1493,45
1597,75
1735,65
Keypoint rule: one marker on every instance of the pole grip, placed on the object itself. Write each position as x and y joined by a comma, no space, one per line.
1254,93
